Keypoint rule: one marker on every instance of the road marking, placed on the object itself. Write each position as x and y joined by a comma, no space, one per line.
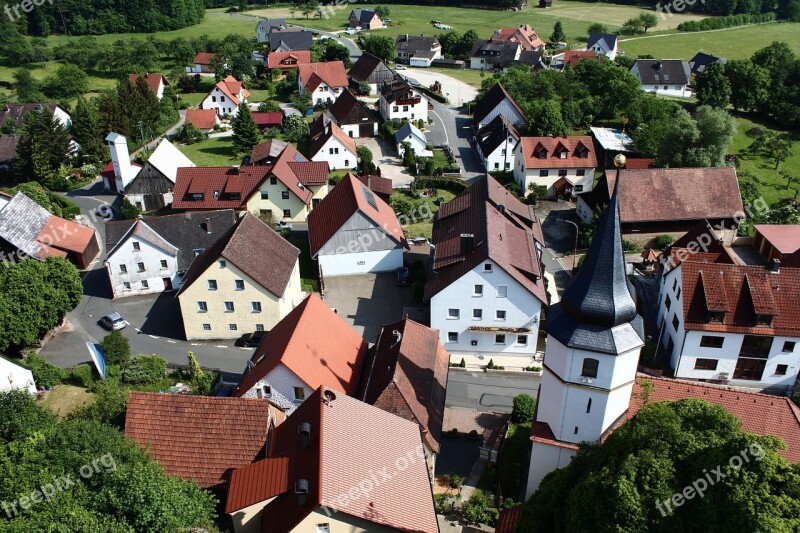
153,337
137,330
171,342
446,139
195,344
219,346
244,348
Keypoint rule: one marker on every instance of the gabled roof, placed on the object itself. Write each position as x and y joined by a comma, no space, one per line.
532,146
8,148
167,159
677,194
504,231
397,89
605,41
406,374
377,184
267,25
204,58
741,292
364,16
574,57
370,69
16,112
315,344
236,247
416,44
491,100
331,73
524,34
662,71
203,119
498,54
231,87
701,60
221,187
180,234
297,173
269,118
762,414
494,134
702,243
200,437
409,130
347,109
154,81
532,58
294,57
323,129
342,202
343,428
268,150
783,237
290,39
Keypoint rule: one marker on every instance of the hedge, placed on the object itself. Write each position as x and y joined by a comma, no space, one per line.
718,23
436,96
68,208
144,370
448,184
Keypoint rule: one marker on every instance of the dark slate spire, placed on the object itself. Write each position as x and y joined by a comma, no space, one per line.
599,294
597,311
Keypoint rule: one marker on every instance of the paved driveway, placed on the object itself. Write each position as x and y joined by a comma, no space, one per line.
385,156
368,301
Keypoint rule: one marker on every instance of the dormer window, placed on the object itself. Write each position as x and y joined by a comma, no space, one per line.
562,154
716,317
763,321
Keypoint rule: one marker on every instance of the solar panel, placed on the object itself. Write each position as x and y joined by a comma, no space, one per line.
369,197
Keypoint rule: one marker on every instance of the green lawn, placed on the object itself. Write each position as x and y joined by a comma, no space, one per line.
770,183
467,75
213,152
735,43
512,467
64,399
421,225
309,272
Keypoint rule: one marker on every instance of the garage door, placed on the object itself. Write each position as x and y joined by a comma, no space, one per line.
366,130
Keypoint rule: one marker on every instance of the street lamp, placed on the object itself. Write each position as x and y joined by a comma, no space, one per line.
575,248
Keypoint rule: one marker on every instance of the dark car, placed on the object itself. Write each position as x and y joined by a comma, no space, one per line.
403,276
251,340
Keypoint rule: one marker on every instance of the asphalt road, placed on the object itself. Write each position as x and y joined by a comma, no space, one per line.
154,320
488,391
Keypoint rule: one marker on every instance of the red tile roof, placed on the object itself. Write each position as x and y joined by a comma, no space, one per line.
310,172
785,238
63,234
504,236
258,482
204,58
332,73
509,519
377,184
761,414
700,244
203,119
153,80
407,376
404,503
285,172
741,291
231,87
315,344
237,248
552,146
267,118
269,149
221,187
669,194
574,57
296,58
199,437
345,199
525,35
637,163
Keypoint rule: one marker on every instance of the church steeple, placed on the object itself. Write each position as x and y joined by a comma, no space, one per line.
598,304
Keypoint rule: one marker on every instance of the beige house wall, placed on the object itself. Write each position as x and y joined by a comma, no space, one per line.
276,204
339,523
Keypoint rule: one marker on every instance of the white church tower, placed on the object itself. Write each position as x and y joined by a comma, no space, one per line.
124,171
594,337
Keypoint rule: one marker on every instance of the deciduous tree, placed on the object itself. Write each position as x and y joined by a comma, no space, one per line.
713,87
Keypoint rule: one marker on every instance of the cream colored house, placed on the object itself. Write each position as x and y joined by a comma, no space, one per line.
248,281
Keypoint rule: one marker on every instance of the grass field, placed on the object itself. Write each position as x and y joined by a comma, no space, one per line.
213,152
734,43
64,399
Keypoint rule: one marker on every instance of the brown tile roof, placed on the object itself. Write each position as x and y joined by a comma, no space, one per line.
267,118
638,163
249,234
231,87
199,437
657,194
203,119
295,57
332,73
16,112
509,519
346,198
347,109
66,235
397,89
204,58
285,170
377,184
323,129
785,238
153,80
407,376
741,291
761,414
532,147
258,482
310,172
233,186
506,237
574,57
405,503
269,149
370,69
315,344
525,35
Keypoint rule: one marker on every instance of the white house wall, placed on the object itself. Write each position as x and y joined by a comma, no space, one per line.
391,111
544,459
282,383
13,376
344,159
505,108
323,93
219,102
417,146
525,176
497,160
154,274
360,262
522,311
353,130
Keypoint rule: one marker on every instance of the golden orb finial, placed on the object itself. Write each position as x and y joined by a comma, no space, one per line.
619,161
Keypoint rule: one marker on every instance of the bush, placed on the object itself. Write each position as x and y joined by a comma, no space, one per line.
718,23
82,375
116,348
492,366
478,509
628,246
662,241
448,184
441,503
45,374
524,407
144,370
129,210
463,363
454,480
109,406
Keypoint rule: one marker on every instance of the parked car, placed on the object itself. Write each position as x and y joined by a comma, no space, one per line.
281,225
403,276
251,340
113,321
105,211
399,67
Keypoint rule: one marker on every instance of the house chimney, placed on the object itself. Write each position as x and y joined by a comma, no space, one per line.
301,489
467,243
120,158
775,266
206,225
304,430
659,64
235,170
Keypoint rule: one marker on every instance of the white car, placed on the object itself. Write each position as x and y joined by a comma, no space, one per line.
105,211
281,225
399,67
